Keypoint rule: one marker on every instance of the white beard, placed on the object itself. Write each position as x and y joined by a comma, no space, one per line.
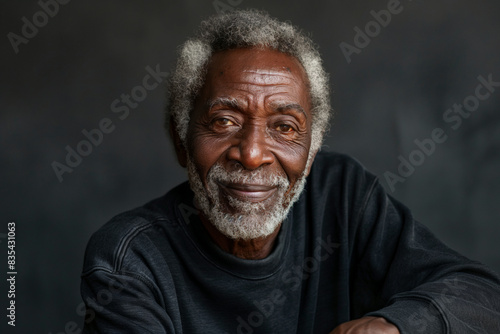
250,220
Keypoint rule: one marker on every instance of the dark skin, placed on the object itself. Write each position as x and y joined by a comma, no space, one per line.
268,127
254,111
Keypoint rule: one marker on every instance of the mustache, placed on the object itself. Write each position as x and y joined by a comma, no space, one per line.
258,176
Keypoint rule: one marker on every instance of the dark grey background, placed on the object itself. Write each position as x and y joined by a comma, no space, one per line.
395,91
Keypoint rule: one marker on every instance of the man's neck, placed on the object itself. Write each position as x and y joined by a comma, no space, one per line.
253,249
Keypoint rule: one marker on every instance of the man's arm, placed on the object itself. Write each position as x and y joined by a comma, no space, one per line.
426,287
122,303
372,325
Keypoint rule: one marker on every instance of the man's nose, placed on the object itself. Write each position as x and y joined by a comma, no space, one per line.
251,148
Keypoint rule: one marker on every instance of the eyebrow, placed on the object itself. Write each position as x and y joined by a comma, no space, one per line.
280,106
235,104
224,102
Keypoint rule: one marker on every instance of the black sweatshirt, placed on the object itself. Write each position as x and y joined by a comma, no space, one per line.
346,250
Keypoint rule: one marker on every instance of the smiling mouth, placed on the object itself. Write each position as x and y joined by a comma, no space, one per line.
248,192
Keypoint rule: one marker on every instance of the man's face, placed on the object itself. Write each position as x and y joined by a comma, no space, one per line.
248,140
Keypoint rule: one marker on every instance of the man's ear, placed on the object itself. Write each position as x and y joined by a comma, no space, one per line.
180,150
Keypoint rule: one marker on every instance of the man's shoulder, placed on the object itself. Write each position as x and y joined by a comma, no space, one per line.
339,169
112,240
340,159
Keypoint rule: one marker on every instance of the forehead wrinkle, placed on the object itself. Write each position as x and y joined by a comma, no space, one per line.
268,76
260,71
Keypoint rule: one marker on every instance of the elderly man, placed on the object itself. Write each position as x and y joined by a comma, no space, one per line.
271,235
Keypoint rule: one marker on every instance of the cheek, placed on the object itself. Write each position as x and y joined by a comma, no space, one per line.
292,157
205,151
293,162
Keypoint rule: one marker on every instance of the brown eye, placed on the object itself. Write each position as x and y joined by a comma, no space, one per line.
284,128
223,122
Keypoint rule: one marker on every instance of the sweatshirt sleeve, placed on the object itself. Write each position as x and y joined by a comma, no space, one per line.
121,303
425,287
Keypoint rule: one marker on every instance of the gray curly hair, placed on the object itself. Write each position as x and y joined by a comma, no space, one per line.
239,29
